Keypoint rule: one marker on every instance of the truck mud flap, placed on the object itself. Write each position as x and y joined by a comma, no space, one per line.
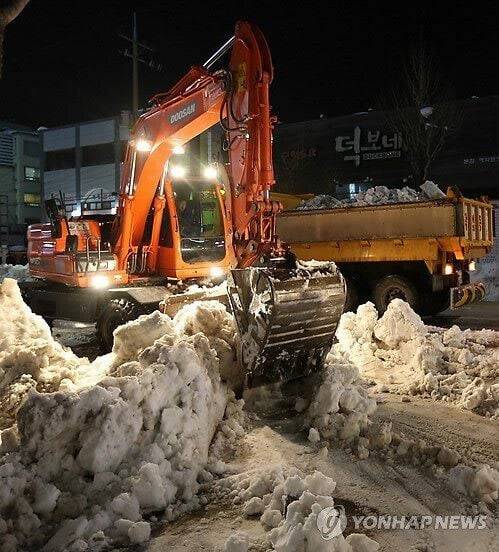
287,320
466,294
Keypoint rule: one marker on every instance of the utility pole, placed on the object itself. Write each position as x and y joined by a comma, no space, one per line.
135,69
136,58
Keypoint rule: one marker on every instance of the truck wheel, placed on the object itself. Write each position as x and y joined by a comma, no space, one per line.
115,313
395,287
352,299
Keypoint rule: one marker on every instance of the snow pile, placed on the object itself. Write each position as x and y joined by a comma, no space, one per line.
238,542
378,195
17,272
295,508
340,408
88,461
403,355
29,356
479,483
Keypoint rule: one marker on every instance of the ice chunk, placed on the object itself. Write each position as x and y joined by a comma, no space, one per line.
239,542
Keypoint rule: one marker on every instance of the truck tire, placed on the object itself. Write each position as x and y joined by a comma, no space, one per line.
352,299
115,313
395,287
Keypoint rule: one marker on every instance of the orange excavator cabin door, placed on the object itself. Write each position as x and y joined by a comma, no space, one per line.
195,239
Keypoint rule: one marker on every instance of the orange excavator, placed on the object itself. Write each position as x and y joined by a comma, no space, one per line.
172,227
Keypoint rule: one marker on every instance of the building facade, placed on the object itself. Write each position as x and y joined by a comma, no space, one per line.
344,155
82,162
20,188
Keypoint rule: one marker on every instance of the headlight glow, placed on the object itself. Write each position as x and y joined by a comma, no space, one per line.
216,271
210,172
177,171
99,281
178,150
448,269
143,145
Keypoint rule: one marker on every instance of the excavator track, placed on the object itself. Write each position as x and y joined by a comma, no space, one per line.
287,319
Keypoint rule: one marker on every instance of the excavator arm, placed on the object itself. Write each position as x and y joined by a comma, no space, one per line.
238,98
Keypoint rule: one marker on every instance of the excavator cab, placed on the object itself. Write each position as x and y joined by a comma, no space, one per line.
195,240
199,212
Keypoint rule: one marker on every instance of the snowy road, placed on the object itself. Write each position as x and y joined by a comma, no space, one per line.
474,437
364,487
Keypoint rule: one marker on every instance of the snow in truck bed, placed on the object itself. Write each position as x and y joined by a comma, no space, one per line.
379,195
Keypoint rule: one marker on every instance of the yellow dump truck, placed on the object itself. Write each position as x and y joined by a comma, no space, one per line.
421,252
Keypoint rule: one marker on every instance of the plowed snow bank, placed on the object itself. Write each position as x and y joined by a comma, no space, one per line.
403,355
99,445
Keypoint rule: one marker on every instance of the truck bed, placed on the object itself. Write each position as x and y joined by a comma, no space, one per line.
446,218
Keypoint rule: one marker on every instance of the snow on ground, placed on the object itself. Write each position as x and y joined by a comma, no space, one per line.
342,414
98,446
102,450
402,355
378,195
289,505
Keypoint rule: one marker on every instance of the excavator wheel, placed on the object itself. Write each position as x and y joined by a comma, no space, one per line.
113,314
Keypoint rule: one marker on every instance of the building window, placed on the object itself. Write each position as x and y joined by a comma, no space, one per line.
32,200
31,173
99,154
60,159
31,148
97,206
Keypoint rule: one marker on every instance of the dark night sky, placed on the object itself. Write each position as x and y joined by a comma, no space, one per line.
63,62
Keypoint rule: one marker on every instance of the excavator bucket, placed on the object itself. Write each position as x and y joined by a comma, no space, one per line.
287,319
